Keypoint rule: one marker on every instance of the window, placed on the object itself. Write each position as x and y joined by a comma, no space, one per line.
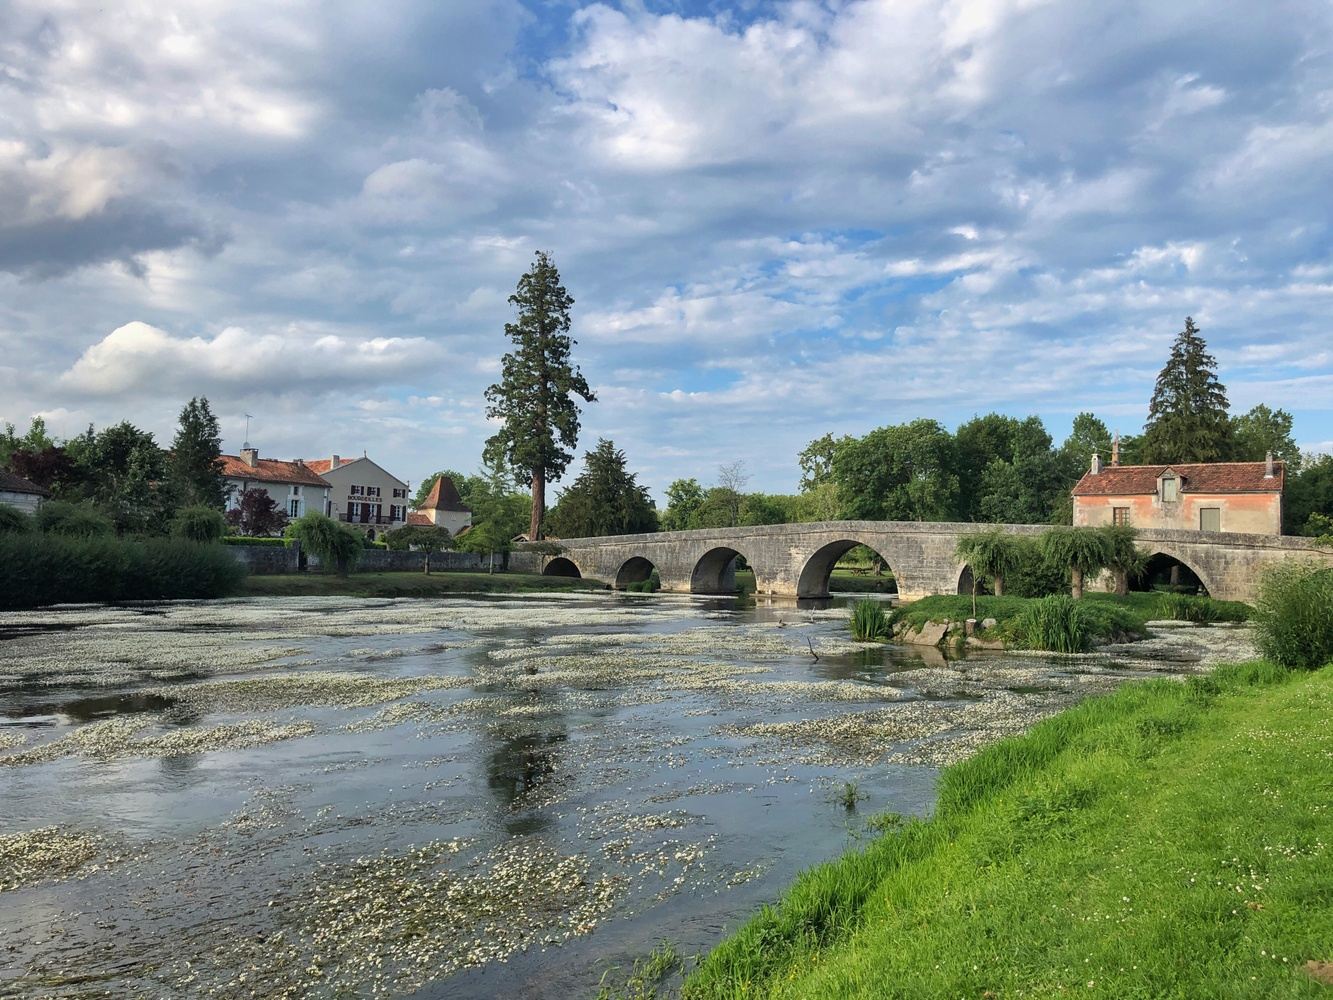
399,494
353,511
1120,515
372,491
1210,518
355,491
1170,489
294,507
395,512
296,491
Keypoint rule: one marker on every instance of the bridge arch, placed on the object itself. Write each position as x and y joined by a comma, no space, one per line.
1160,558
814,579
715,571
635,569
561,566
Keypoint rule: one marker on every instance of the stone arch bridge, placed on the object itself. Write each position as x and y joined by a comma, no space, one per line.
795,560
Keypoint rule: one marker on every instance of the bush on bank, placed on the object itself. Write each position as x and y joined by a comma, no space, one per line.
42,569
1293,616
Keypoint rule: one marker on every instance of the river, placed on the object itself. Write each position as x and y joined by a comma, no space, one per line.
468,797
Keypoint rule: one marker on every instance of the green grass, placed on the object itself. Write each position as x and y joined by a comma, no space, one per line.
1108,617
645,977
869,623
1169,840
861,583
408,584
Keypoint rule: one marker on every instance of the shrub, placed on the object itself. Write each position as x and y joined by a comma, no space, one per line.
1036,575
869,622
13,521
199,524
74,520
321,536
1293,616
1056,624
58,569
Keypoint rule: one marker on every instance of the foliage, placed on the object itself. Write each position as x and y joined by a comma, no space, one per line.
900,473
123,471
465,485
1293,616
1008,888
605,499
1083,550
1109,618
427,538
195,465
1123,557
1008,472
411,584
257,514
199,524
848,794
1262,431
36,439
684,498
1309,493
74,520
534,398
816,461
1187,415
1037,575
50,467
869,623
1055,624
337,546
645,976
1202,610
43,569
992,555
254,540
498,515
13,521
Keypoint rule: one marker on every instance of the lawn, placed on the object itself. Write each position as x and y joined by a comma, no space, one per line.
408,584
1168,840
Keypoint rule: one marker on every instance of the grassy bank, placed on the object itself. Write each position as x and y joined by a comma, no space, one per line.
1109,617
843,581
408,584
1167,840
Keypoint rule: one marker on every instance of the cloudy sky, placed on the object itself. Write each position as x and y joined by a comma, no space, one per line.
777,219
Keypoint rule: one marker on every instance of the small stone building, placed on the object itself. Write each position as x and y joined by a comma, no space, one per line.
1214,496
443,507
19,493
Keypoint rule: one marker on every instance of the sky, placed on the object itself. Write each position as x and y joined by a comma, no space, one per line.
777,220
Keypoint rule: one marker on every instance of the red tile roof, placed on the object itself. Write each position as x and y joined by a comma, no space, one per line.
11,483
416,519
444,496
270,470
1210,477
323,465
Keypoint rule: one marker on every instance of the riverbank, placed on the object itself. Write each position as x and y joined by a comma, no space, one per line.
1167,839
410,584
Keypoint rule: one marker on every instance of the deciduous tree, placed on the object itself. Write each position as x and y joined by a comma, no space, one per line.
900,473
535,397
1083,551
427,538
1261,431
257,515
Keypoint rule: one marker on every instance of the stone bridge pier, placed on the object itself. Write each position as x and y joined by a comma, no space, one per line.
795,560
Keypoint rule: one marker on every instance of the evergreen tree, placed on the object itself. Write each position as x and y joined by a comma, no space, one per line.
535,395
605,499
196,468
1187,417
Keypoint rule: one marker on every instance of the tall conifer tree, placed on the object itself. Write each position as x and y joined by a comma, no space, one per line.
196,469
535,395
1187,417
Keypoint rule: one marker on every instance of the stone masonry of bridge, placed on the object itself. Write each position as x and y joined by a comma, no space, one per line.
795,560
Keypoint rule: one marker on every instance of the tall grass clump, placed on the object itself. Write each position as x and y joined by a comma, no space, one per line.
869,622
1054,624
1293,616
14,522
1201,610
56,569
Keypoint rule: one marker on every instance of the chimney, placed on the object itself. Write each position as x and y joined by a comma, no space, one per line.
1268,466
250,456
335,463
1115,450
1096,464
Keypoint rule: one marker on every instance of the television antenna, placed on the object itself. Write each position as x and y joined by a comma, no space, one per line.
248,418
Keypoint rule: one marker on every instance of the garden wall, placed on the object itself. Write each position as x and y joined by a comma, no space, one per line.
265,560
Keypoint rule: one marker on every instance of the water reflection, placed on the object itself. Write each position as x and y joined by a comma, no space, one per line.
516,766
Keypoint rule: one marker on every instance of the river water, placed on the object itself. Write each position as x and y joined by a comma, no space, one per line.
468,797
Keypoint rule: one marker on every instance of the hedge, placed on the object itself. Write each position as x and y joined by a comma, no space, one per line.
50,569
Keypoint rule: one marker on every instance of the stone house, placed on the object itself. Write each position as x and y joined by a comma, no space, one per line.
363,494
443,507
295,487
1215,496
19,493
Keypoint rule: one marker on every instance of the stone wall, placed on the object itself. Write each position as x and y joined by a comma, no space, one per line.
389,561
263,560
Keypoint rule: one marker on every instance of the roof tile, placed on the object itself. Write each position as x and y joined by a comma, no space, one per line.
270,470
1209,477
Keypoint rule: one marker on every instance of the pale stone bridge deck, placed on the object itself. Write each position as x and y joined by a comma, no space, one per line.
796,559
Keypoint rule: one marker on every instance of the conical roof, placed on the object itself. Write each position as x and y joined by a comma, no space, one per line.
444,496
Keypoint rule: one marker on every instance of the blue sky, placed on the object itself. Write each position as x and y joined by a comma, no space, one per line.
777,219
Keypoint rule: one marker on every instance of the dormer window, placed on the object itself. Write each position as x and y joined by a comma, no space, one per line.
1170,487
